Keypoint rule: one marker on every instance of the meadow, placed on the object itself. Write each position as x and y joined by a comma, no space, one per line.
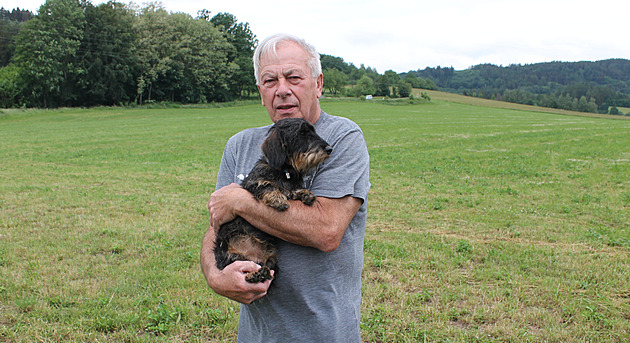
485,224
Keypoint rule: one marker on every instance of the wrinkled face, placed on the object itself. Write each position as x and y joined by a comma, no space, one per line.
287,86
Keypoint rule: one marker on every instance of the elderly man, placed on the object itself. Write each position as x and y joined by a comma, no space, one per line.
317,294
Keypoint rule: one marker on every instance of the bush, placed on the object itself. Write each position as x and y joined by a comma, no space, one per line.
404,89
614,110
10,88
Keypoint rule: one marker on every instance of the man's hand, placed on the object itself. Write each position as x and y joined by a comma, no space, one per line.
223,202
230,283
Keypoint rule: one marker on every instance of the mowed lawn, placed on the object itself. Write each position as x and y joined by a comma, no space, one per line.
485,224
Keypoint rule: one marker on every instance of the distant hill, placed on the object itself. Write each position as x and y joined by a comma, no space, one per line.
604,84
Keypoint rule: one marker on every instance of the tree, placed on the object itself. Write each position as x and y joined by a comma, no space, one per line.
382,86
108,56
403,88
565,102
333,62
412,79
392,77
10,25
334,80
45,51
182,59
614,110
244,41
10,86
427,84
16,15
584,105
356,74
365,86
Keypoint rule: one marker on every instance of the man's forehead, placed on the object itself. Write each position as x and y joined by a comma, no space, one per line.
285,53
281,70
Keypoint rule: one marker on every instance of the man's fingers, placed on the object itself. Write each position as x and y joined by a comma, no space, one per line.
249,267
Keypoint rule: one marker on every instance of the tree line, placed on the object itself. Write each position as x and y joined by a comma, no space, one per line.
73,53
342,78
600,86
10,23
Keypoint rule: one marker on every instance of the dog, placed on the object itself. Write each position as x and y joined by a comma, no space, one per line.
291,149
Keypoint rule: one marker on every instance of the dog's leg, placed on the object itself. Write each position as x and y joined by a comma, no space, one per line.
304,195
264,273
275,199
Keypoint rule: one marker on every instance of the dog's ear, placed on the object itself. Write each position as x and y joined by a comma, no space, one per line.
273,149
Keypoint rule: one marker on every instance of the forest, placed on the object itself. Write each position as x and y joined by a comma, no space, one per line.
600,86
74,54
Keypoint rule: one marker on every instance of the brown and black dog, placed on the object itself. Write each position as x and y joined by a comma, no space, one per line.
291,149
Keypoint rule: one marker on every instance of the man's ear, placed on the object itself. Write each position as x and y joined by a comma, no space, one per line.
273,150
320,85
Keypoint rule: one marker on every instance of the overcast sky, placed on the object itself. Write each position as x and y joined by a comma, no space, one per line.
414,34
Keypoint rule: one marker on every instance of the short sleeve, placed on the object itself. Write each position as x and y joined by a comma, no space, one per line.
346,172
228,165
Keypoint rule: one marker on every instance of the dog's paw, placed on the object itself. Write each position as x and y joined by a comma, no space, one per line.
276,200
309,198
262,274
281,207
304,195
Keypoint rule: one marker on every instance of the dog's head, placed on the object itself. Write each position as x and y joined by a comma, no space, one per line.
293,142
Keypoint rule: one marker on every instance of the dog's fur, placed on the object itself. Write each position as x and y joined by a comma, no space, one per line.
291,149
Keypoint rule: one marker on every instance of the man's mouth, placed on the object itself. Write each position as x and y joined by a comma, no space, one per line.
287,107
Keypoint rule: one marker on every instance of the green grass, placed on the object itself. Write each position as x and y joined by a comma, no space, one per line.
485,224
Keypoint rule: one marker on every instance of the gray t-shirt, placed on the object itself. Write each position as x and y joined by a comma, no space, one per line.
316,296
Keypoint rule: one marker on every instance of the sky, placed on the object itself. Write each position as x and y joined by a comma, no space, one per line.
414,34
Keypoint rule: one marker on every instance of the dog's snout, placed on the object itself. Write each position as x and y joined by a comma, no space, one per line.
328,150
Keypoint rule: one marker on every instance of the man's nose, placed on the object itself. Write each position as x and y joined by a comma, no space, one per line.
283,88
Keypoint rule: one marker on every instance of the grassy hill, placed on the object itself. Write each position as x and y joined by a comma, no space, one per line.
555,84
458,98
485,223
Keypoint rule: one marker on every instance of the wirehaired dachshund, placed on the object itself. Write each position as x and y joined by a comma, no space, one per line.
291,149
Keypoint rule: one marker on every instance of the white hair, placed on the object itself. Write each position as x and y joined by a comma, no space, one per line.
270,45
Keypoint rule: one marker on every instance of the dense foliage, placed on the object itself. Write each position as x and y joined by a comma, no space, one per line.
600,86
347,79
10,23
73,53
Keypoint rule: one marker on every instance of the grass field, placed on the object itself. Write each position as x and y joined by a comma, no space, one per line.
486,224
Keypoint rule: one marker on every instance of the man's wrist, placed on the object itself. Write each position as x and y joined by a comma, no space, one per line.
243,204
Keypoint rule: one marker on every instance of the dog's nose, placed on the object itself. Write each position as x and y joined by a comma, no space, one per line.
328,150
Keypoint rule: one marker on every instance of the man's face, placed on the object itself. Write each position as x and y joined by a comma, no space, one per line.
287,86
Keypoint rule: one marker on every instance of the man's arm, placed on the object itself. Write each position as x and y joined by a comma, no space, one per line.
230,282
320,226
